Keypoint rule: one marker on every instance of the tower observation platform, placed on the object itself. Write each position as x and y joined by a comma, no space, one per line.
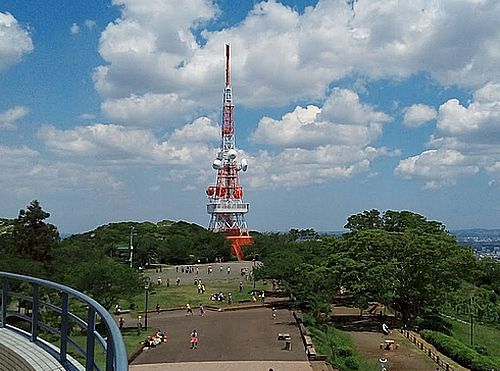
225,198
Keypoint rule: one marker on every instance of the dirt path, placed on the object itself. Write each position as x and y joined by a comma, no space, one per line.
406,358
366,334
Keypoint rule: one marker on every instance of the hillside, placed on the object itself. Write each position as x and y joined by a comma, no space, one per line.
165,241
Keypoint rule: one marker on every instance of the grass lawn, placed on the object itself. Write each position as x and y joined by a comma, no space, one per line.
337,346
178,296
485,336
130,338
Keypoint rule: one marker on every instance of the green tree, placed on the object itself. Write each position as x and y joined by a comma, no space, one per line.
32,237
409,270
107,281
365,220
392,221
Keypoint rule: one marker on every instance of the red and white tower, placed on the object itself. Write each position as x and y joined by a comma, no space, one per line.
225,198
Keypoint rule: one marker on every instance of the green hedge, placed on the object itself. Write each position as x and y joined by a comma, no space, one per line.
459,352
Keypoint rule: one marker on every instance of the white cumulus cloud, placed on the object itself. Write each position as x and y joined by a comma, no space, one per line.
342,120
15,41
297,167
149,110
318,143
26,172
74,29
90,23
115,144
281,55
9,117
466,141
436,167
418,115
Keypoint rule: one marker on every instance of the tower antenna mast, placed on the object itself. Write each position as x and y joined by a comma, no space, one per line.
225,198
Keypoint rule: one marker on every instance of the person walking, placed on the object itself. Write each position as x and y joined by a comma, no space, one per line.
121,322
202,310
157,308
139,325
194,339
241,286
189,310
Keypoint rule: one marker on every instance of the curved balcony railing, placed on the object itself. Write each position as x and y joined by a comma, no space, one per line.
113,347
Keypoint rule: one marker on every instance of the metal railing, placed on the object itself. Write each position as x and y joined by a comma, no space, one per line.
113,346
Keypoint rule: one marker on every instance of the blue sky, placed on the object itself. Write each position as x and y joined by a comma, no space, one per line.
110,110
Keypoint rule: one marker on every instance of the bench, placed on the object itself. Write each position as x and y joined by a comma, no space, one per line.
308,340
283,336
311,352
389,345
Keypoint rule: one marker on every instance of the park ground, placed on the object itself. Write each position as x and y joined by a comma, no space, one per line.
243,336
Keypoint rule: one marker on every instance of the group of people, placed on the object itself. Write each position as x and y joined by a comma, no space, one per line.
218,296
189,310
152,341
187,269
199,285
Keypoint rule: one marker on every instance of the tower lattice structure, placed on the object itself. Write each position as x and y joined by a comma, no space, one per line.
225,198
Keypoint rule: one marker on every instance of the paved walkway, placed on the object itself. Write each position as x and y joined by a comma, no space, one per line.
226,366
18,353
232,336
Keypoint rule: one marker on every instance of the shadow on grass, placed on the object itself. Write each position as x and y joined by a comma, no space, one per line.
364,323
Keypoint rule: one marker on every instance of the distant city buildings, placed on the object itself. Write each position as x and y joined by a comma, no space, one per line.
486,242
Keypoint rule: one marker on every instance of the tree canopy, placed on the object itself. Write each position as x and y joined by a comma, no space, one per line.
31,236
398,258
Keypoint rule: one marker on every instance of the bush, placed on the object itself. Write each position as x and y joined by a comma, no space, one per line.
343,352
459,352
351,363
481,350
435,322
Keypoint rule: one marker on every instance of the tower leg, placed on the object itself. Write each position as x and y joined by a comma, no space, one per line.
237,243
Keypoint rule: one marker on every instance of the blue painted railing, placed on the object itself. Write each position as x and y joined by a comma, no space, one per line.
116,356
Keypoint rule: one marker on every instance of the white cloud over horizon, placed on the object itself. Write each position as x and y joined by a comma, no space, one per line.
25,172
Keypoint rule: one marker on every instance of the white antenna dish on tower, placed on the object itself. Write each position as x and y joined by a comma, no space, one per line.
231,154
244,164
217,164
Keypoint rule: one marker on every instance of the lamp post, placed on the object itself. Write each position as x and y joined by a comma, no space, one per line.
472,307
131,245
253,271
147,282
